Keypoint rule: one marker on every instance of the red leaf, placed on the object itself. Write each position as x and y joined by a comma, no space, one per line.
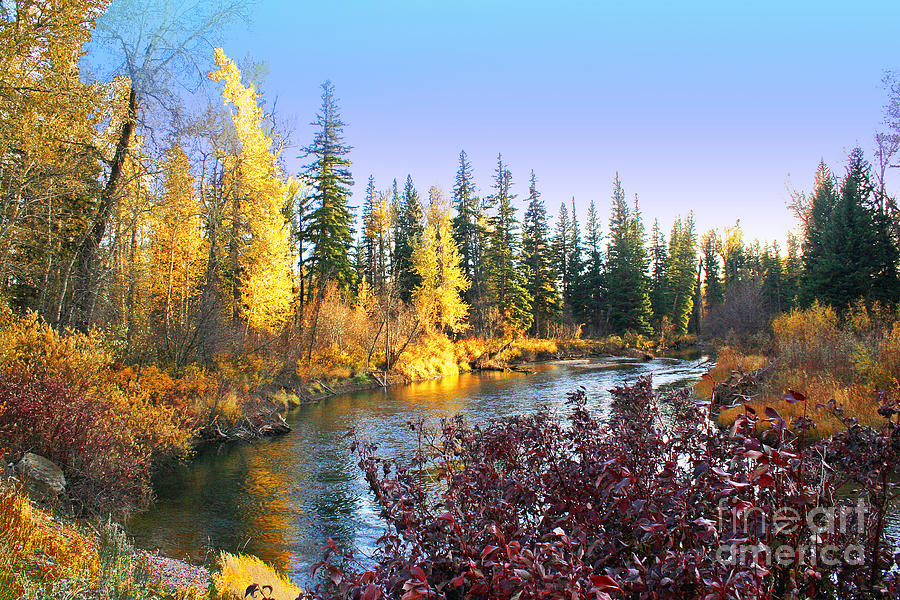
418,573
792,397
373,592
605,583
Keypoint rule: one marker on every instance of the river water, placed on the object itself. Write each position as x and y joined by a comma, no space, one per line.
283,498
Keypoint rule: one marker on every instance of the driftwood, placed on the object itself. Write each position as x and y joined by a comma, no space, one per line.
481,361
741,385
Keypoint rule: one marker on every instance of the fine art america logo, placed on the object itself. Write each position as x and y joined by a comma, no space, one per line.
804,538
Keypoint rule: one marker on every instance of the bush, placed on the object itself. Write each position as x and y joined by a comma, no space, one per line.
38,554
235,572
638,507
63,398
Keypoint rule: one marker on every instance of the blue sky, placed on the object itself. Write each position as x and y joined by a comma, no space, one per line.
710,107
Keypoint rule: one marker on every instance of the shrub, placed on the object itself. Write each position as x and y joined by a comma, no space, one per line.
82,434
62,397
641,506
38,553
235,572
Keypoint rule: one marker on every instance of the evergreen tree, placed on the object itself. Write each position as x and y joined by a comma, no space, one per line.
847,267
593,275
815,230
627,281
368,242
468,230
793,270
329,175
682,275
505,275
561,249
574,297
409,229
659,274
714,287
538,263
773,277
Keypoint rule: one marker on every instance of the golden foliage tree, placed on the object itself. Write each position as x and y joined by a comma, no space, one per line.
436,260
266,286
177,255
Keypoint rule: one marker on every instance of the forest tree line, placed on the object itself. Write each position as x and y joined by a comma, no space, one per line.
179,233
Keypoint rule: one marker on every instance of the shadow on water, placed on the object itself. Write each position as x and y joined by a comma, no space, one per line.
283,498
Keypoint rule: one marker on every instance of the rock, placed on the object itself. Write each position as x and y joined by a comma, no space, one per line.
41,476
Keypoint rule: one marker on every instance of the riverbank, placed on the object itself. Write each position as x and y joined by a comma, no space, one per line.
848,366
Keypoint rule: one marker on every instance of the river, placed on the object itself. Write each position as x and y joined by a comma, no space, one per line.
283,498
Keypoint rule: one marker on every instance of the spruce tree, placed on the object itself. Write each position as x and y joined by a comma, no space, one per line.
847,266
793,270
505,275
410,227
329,175
659,274
538,263
560,246
368,250
815,231
468,230
593,274
574,298
627,281
682,274
712,282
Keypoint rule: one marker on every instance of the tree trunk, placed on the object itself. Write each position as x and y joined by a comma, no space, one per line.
86,266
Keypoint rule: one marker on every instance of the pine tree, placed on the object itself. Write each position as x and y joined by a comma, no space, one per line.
506,278
593,275
627,282
713,285
468,228
659,275
574,297
538,263
816,227
409,229
682,274
329,174
366,254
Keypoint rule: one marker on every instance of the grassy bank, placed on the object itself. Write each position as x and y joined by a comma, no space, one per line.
850,359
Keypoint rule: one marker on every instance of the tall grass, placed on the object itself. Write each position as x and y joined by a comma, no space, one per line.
235,572
849,358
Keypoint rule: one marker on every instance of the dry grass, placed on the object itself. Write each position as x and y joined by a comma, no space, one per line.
728,361
237,571
38,553
825,356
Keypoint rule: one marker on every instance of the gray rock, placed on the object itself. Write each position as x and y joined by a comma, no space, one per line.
41,476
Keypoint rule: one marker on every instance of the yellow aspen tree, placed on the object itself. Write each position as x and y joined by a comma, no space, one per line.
178,253
436,260
266,279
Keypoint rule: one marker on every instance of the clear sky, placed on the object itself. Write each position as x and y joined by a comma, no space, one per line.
712,107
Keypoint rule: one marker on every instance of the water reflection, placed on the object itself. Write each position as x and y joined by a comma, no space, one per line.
283,498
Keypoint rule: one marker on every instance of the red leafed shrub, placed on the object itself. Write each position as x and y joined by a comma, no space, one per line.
81,433
652,503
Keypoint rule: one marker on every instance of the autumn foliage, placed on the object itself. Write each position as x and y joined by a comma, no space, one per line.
636,506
